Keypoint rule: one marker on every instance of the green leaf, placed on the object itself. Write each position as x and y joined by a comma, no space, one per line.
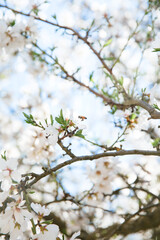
61,115
61,119
148,197
40,124
33,227
47,222
28,121
156,50
96,86
58,120
121,81
13,181
54,16
107,43
51,118
109,58
77,70
156,142
79,133
143,90
91,77
12,23
31,192
156,107
122,140
27,116
113,109
36,11
31,117
108,75
133,116
46,121
4,156
92,23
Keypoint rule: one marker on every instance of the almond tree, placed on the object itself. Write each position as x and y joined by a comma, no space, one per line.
80,138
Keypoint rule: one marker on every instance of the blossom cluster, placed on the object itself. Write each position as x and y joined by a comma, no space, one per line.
22,218
19,218
41,141
25,219
14,35
103,175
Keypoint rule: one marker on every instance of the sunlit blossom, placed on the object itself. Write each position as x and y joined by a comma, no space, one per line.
40,210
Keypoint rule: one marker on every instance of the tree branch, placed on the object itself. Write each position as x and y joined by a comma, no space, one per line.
129,102
91,158
141,223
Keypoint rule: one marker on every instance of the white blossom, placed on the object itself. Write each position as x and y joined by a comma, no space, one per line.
15,218
18,4
35,145
3,31
103,175
76,234
40,210
11,38
14,37
51,135
31,29
3,196
8,172
50,233
155,94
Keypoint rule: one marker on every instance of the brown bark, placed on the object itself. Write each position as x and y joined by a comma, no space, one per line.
150,220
